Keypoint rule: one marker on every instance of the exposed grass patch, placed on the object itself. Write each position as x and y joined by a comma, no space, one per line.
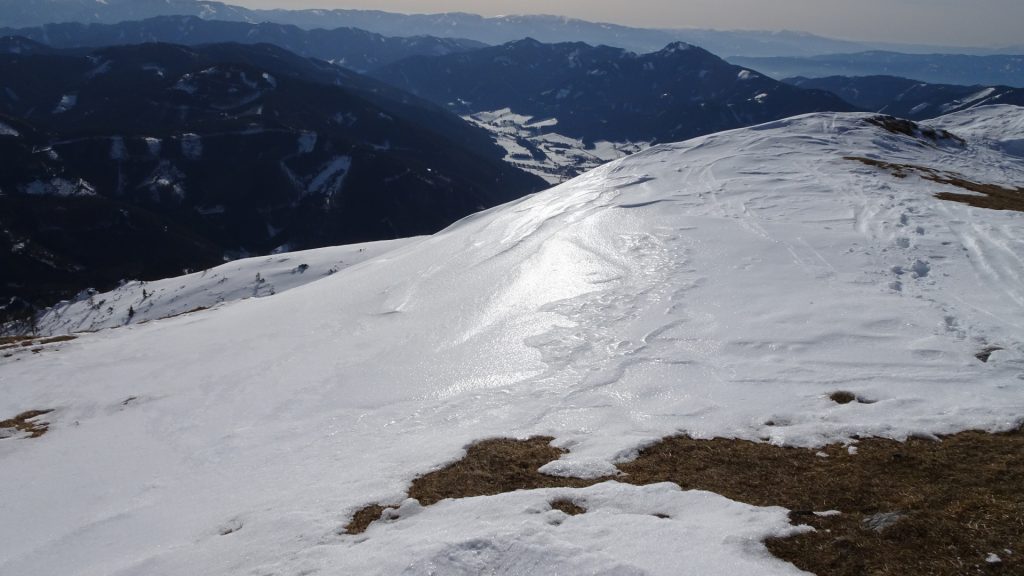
912,129
493,467
490,467
960,498
568,506
14,342
991,196
26,423
362,519
986,353
842,397
185,313
923,506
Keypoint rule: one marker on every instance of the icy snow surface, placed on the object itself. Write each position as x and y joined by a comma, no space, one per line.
706,287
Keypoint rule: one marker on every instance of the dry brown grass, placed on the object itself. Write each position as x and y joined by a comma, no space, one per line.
362,519
991,196
568,506
843,397
912,129
957,499
962,498
14,342
27,424
493,467
489,467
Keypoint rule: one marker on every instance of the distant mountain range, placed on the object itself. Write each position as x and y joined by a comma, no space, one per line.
934,68
909,98
349,47
496,30
139,161
603,93
560,109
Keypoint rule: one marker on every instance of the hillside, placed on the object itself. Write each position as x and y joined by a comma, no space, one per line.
728,286
136,162
909,98
552,104
962,69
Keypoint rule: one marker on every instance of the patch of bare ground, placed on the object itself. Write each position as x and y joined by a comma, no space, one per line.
489,467
938,507
915,507
26,423
912,129
568,506
179,314
991,196
34,342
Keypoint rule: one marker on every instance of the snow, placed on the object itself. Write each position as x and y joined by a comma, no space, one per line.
1001,127
154,145
707,287
192,146
745,75
6,130
307,142
67,102
531,145
329,181
237,280
619,534
61,187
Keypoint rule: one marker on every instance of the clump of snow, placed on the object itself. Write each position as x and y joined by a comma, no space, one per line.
58,186
331,177
67,102
154,145
581,468
745,75
186,84
192,146
307,142
6,130
883,520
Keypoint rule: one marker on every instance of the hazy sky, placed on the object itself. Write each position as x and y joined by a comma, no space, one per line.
945,22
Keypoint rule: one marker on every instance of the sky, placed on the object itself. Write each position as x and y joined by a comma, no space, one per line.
943,22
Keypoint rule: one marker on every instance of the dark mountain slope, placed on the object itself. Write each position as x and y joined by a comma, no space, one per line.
936,68
215,152
603,93
909,98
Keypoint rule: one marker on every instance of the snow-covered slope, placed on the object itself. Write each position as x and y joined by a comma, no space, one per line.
723,286
1001,127
138,302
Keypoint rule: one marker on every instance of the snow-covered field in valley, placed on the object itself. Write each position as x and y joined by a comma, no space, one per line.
720,287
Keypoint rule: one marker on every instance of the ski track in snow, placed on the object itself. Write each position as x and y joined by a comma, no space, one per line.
707,287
